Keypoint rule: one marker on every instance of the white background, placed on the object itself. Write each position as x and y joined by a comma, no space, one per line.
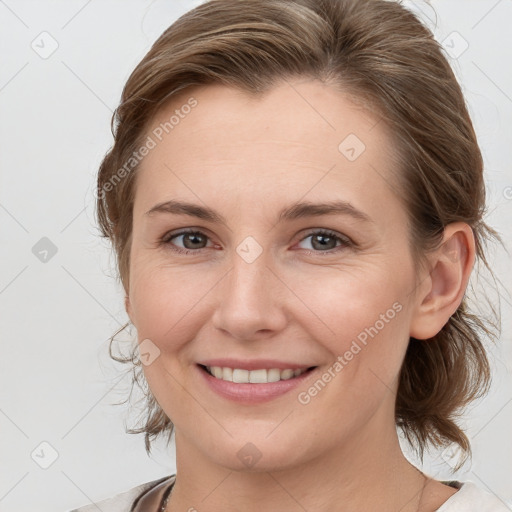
57,382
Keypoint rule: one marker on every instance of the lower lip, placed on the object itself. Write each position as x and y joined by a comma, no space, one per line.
252,393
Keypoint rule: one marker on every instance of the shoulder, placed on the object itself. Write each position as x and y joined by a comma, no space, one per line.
472,498
127,500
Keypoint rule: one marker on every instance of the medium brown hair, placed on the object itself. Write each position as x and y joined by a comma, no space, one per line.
378,52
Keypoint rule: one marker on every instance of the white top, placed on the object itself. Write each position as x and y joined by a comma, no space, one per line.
469,498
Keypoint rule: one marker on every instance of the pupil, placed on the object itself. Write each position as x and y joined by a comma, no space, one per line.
323,241
192,236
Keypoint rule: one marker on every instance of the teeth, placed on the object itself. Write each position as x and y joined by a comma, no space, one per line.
273,375
286,374
258,376
217,372
262,376
240,376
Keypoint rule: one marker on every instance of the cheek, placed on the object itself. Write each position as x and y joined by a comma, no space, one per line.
362,316
168,302
369,320
348,302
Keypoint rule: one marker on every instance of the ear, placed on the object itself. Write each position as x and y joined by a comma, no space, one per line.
441,293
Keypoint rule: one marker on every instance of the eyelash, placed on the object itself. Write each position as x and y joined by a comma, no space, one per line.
345,241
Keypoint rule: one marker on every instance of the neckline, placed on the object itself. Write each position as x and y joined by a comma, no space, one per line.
167,493
152,495
455,484
462,488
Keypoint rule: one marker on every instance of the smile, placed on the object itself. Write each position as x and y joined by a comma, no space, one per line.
252,381
259,376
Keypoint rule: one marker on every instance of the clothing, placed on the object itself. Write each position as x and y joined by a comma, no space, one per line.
150,497
147,497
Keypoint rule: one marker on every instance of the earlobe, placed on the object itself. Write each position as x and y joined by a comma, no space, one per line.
451,266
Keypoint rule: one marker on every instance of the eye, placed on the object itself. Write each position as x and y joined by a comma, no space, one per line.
192,241
326,241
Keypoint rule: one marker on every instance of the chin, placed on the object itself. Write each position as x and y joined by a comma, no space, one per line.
255,454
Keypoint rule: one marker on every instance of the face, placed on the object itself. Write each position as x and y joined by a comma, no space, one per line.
239,264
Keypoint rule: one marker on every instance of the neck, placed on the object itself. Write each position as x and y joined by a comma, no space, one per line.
365,474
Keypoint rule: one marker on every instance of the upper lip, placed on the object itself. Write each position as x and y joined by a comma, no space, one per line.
254,364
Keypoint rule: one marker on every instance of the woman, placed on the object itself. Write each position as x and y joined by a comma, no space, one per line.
295,197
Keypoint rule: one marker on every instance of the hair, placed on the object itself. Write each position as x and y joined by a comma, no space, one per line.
379,52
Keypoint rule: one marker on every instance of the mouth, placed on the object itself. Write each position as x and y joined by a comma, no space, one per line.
256,376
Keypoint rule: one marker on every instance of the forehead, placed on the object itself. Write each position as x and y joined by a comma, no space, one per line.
300,136
292,110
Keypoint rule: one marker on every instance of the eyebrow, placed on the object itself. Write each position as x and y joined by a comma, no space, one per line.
295,211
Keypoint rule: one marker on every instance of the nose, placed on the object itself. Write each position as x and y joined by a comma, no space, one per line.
251,301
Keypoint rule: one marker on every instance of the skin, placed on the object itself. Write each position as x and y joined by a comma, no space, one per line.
247,158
